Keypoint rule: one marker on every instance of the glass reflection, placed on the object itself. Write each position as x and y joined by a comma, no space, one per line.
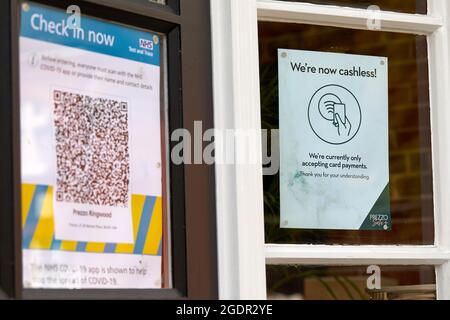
411,189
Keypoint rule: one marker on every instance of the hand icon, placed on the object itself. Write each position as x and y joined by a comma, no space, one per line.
334,114
344,127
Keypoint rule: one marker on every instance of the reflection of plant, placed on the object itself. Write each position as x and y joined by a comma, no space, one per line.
269,97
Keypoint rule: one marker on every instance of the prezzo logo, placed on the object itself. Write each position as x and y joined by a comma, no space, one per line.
146,44
379,217
380,220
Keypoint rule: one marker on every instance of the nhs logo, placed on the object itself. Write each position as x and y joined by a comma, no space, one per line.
146,44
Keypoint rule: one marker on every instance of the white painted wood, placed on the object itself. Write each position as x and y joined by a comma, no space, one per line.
239,189
439,55
225,176
295,12
354,255
443,281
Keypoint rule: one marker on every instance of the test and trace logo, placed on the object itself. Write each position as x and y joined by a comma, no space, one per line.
146,44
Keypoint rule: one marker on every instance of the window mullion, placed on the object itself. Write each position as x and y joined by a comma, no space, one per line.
239,187
355,255
345,17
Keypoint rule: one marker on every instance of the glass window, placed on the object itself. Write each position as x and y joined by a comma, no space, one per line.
351,283
406,6
411,191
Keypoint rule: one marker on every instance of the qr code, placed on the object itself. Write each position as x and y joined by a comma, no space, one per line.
92,149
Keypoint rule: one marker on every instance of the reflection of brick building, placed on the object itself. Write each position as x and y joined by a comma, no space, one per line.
409,123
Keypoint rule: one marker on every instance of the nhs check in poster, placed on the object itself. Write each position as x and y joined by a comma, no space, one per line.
334,141
91,153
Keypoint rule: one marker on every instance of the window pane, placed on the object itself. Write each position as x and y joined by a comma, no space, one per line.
351,283
411,193
407,6
93,152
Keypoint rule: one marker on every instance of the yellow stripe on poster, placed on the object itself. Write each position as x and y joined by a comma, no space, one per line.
95,247
154,233
43,235
68,245
137,206
27,198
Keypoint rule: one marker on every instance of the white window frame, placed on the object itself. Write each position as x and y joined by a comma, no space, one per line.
242,253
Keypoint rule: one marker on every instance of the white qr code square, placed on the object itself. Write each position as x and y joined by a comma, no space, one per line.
92,149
